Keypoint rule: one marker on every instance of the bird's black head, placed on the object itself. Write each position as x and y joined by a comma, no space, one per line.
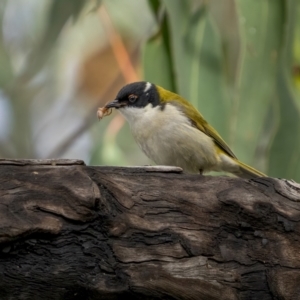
136,94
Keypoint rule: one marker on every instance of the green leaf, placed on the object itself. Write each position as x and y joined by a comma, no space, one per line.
60,12
6,71
155,6
198,60
157,56
262,24
284,152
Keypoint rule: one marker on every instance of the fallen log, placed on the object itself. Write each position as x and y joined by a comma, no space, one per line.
70,231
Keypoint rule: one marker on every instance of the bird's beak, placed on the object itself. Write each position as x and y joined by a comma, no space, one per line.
115,104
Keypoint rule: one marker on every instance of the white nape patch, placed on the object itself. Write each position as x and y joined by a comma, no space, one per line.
147,87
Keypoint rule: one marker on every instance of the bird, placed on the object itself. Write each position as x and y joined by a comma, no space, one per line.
172,132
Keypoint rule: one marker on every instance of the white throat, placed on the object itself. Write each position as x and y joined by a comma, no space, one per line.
150,120
137,115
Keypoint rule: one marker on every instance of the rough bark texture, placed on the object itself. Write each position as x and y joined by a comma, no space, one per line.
68,231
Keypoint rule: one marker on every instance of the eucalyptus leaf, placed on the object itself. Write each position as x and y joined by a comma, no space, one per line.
157,56
284,157
262,24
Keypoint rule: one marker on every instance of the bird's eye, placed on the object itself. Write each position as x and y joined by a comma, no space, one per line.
132,98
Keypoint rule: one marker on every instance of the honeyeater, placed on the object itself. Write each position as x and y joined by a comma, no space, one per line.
172,132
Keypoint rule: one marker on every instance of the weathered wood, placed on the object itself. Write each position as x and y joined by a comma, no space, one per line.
51,161
77,232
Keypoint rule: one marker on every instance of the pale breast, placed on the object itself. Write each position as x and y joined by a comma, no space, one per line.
167,137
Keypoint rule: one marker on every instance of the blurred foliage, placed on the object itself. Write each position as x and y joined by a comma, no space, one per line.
57,65
234,61
237,61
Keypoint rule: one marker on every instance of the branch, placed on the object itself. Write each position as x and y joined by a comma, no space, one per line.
70,231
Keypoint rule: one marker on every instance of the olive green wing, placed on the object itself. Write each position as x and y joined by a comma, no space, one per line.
210,131
195,117
200,123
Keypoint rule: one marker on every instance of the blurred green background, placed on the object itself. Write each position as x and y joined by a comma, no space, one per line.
237,61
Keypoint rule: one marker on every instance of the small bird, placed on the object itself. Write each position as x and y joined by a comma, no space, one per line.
172,132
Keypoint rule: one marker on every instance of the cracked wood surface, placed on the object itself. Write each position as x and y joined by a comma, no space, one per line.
69,231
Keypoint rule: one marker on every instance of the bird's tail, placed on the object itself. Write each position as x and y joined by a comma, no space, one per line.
248,172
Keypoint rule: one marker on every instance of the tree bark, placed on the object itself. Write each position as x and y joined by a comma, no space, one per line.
70,231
